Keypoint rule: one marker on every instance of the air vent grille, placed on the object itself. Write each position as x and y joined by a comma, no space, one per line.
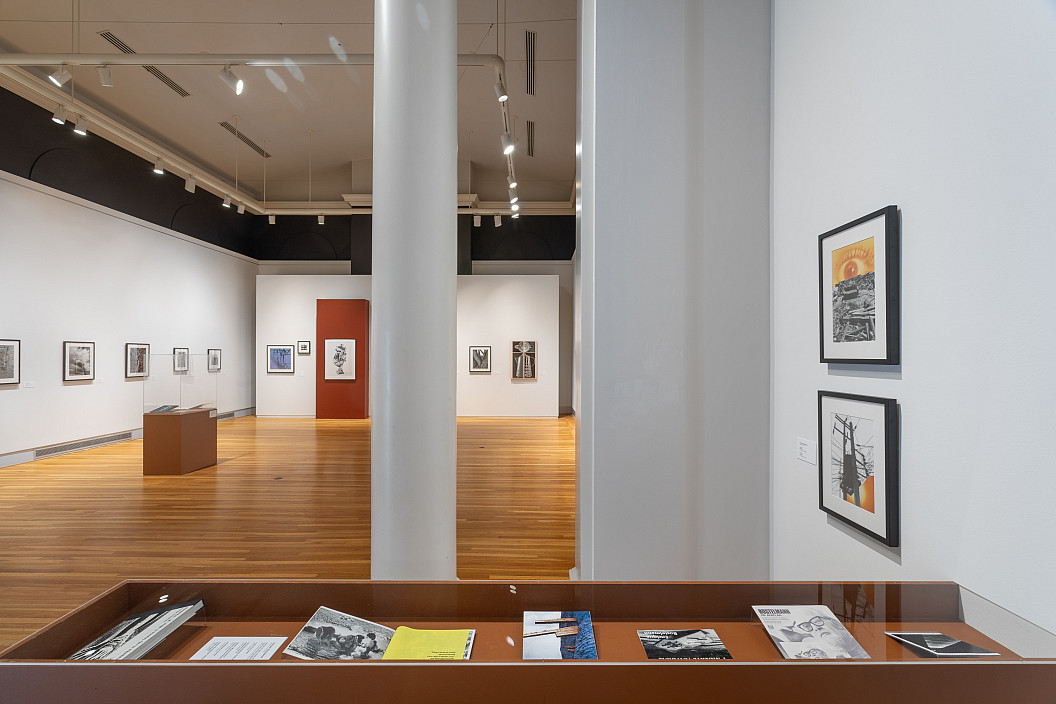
245,140
529,126
226,415
152,70
53,450
529,55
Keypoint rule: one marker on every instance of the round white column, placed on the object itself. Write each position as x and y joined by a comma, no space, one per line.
414,265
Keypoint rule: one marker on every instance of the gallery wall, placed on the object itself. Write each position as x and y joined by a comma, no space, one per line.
74,270
949,115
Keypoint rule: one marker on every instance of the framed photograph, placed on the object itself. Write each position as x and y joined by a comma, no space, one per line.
280,359
339,360
858,463
859,297
137,360
181,359
304,347
212,360
480,359
10,361
78,361
524,359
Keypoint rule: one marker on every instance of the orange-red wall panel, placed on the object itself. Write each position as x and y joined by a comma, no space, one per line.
342,319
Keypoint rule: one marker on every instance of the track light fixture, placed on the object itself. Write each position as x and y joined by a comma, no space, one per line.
513,196
105,79
59,117
514,207
241,208
159,167
507,143
476,221
498,221
512,181
81,126
515,216
60,76
234,82
322,219
227,202
189,184
500,91
271,219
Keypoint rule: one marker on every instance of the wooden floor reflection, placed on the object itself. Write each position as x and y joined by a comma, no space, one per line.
289,499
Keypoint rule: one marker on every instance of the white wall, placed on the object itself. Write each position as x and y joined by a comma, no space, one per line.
496,310
563,270
286,310
74,270
946,110
673,291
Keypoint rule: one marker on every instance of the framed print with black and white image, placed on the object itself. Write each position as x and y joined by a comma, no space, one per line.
181,359
137,360
860,303
212,360
78,361
858,462
480,359
10,361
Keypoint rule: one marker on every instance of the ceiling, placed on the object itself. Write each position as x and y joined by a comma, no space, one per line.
313,120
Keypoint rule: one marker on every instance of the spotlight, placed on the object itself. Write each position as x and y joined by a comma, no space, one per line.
322,220
60,76
60,115
515,216
514,207
241,208
81,126
271,219
498,221
227,202
189,184
513,196
512,181
500,92
507,143
233,81
476,221
159,167
105,79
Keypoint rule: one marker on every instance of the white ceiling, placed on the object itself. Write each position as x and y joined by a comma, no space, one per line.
280,105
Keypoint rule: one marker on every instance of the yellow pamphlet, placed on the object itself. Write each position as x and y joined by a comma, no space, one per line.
416,644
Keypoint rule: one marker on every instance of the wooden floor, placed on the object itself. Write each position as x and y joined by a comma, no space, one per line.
289,499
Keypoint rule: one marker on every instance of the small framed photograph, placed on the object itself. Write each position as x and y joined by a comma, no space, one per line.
10,361
339,360
858,463
524,359
78,361
137,360
181,359
859,301
480,359
304,347
212,360
280,359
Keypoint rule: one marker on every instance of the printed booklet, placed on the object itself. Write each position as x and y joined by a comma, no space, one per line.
332,635
938,645
692,644
809,632
418,644
558,635
138,634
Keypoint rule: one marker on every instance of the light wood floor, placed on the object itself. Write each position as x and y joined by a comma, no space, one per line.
289,499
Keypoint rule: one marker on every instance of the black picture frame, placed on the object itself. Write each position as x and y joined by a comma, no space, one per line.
868,498
78,361
480,359
524,361
280,359
181,359
859,298
304,347
212,359
10,361
137,360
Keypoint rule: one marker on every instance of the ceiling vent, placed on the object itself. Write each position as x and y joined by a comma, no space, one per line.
152,70
245,140
529,55
529,126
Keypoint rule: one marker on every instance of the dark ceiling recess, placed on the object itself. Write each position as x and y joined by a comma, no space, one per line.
535,237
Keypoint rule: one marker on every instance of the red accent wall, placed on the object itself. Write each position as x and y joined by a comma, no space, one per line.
342,319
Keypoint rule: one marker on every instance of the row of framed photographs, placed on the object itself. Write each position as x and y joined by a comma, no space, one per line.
78,360
339,358
523,364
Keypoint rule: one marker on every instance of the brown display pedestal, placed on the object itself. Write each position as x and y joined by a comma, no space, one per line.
178,442
34,670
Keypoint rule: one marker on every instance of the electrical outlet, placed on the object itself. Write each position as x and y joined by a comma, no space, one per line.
807,450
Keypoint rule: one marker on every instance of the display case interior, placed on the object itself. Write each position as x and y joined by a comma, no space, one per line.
179,383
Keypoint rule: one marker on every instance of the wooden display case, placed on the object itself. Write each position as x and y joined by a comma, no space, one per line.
35,670
179,441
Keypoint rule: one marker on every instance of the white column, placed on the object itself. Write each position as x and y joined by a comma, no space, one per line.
414,253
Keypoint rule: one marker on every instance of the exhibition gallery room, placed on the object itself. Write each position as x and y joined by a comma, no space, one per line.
704,342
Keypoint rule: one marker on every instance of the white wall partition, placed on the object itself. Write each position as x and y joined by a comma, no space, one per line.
286,308
74,270
946,111
495,311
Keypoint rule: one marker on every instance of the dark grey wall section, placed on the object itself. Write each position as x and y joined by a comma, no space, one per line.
535,237
301,237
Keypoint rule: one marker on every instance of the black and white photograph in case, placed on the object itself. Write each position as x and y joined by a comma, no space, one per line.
332,635
480,358
691,644
212,360
860,304
10,361
137,360
304,347
181,359
280,359
809,632
931,644
524,359
858,468
138,634
78,361
339,360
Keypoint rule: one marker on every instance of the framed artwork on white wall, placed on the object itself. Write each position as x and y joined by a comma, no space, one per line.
78,361
480,359
339,360
10,361
524,359
212,360
304,347
181,359
280,359
137,360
